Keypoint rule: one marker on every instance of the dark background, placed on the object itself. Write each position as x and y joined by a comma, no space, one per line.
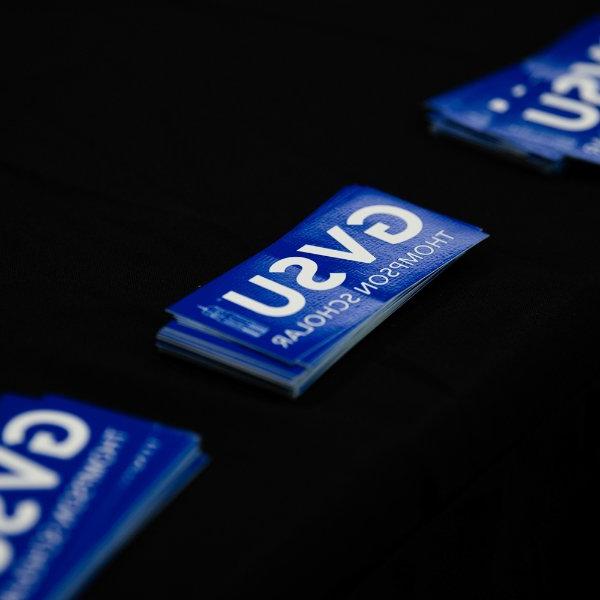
454,449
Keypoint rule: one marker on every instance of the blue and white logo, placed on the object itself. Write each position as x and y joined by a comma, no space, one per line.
547,107
296,306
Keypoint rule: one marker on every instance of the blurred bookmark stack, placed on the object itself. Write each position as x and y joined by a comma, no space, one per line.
287,314
76,482
544,111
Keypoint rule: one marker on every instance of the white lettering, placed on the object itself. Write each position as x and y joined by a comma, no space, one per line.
413,223
295,300
43,442
355,252
308,269
586,115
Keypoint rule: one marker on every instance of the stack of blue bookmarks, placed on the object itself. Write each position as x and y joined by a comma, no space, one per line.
287,314
544,111
75,483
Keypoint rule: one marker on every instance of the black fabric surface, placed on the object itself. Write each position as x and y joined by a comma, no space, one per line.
144,153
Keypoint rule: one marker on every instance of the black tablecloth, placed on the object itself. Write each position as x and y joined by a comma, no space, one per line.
145,152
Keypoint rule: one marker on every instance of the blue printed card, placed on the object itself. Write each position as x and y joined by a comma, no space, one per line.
77,482
289,312
544,110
